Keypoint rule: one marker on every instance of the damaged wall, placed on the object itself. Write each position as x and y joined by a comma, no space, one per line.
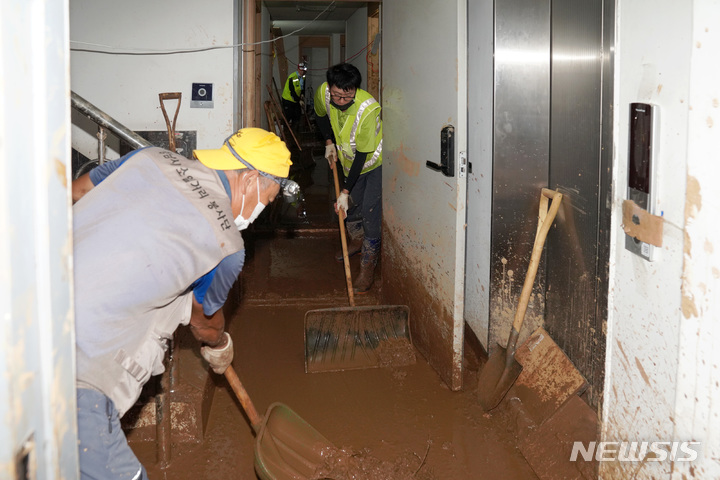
661,369
127,86
424,210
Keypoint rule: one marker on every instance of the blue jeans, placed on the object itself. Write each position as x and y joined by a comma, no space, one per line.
104,451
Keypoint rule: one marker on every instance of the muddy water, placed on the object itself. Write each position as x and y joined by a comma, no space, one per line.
388,423
393,423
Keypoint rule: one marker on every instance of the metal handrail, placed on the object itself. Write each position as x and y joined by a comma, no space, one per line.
106,121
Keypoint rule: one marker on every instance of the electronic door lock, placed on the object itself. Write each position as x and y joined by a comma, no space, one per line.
642,189
447,153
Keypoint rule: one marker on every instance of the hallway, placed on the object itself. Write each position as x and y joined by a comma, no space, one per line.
402,422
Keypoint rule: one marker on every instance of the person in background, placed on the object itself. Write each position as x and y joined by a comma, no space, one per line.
349,118
157,245
293,96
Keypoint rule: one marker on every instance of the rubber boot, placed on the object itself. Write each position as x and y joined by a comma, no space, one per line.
370,255
355,239
354,247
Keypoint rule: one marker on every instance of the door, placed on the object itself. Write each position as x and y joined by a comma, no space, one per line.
38,432
424,91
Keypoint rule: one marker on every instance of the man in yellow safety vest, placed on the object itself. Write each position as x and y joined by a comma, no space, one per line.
350,118
293,96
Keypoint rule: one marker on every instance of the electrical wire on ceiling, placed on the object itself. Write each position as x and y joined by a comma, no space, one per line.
349,59
111,50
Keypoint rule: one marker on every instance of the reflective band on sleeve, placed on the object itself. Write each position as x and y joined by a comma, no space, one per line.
327,101
376,155
132,367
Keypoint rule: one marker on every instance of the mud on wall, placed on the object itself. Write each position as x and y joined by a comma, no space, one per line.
644,379
696,410
406,282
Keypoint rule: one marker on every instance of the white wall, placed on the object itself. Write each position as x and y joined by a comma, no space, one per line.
335,49
699,363
658,384
318,68
37,343
127,86
290,44
356,40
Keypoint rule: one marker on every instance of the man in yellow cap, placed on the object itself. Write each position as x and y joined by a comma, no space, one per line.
157,245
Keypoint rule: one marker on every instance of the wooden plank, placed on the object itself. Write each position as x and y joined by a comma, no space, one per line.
548,448
280,54
373,60
249,92
548,378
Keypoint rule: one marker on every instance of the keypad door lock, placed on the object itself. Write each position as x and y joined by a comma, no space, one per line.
447,153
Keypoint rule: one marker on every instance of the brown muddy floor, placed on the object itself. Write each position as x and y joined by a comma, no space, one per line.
404,418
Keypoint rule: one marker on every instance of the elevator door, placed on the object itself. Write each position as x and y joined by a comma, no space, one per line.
580,155
552,94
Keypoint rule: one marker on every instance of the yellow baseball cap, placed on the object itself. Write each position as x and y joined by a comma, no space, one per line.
263,150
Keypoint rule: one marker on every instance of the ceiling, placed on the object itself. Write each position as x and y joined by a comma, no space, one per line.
304,10
309,17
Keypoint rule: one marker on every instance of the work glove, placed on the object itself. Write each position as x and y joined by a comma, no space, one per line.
219,358
331,154
302,103
342,204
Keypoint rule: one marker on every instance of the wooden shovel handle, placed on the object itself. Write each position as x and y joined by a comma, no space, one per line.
545,219
278,107
343,240
171,128
244,398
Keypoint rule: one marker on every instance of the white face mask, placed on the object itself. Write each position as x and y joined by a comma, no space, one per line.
242,222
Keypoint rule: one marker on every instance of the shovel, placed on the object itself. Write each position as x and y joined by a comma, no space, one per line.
286,446
502,369
171,128
348,338
343,239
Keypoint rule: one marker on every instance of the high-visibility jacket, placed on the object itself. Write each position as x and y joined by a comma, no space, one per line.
293,88
357,128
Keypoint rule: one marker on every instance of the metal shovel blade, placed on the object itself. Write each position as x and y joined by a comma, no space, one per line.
350,338
287,447
496,378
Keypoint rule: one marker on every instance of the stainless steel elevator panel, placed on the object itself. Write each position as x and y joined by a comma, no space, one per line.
480,156
576,256
520,164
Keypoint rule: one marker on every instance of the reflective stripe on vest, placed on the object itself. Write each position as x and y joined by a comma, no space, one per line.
350,156
295,86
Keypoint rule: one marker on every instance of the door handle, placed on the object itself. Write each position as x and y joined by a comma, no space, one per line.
447,153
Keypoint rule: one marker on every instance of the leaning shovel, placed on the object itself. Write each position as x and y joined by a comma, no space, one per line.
502,369
286,446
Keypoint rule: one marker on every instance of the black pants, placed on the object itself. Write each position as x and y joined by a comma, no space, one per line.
367,199
291,110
